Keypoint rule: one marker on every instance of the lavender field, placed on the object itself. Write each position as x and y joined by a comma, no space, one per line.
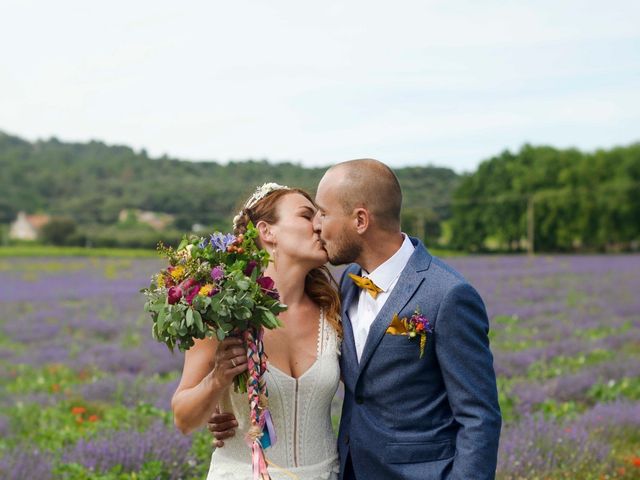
85,391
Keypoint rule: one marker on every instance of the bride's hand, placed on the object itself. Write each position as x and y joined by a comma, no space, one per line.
230,360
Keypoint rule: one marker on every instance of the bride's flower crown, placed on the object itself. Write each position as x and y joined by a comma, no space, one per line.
261,192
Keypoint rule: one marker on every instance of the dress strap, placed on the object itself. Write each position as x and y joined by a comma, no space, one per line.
321,334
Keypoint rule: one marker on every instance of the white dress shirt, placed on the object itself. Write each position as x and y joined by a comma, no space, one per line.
364,309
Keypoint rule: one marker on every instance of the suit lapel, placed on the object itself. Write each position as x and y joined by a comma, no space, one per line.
349,291
410,280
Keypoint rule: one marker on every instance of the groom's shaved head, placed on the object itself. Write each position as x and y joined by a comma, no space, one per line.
370,184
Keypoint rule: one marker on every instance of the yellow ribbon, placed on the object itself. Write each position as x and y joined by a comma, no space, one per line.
283,470
366,284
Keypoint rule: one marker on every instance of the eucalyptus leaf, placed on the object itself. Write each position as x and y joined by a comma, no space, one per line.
160,320
198,320
221,334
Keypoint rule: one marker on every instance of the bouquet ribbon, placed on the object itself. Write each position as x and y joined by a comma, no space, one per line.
262,433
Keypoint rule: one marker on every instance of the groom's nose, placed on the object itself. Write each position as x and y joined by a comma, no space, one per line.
317,223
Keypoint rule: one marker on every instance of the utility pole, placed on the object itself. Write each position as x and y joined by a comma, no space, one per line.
419,226
531,228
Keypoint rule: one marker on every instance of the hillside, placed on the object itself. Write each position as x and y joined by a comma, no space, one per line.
92,182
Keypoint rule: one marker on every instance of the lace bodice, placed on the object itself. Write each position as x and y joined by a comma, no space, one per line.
301,411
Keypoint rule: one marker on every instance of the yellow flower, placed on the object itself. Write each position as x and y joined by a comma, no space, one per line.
177,273
160,280
206,290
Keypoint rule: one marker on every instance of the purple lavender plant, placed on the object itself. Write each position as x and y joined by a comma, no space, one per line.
131,449
22,463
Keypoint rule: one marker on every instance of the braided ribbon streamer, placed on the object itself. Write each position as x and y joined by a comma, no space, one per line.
261,435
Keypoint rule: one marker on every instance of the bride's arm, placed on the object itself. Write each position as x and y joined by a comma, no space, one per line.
208,370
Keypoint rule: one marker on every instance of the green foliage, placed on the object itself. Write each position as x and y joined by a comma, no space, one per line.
561,365
188,301
92,183
614,389
61,231
579,201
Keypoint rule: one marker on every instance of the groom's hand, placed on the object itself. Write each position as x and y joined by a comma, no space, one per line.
222,425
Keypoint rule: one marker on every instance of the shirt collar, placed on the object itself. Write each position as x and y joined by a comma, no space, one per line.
386,273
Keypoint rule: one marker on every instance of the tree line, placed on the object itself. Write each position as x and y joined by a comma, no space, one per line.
547,199
538,198
85,186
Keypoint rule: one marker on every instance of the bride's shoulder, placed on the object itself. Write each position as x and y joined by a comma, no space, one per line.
333,329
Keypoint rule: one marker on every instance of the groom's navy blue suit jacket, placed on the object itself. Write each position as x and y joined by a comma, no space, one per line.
435,417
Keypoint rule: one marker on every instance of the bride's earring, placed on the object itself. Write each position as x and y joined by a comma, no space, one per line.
274,257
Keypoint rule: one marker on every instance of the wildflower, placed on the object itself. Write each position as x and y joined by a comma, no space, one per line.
221,242
217,273
250,267
93,418
186,252
174,295
78,410
207,290
177,273
190,289
268,286
635,461
160,280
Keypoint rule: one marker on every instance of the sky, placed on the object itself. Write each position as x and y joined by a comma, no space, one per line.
447,83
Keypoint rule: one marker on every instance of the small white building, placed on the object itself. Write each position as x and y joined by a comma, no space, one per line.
27,227
157,220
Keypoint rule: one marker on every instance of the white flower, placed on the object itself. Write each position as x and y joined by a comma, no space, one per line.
262,191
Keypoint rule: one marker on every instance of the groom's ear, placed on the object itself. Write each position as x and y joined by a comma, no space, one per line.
361,218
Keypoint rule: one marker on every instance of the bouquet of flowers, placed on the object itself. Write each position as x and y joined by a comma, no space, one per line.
215,287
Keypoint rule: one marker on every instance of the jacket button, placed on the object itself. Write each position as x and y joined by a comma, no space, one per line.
359,400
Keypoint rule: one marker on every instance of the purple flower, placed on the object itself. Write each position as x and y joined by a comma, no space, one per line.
221,242
174,295
422,323
26,462
130,449
251,266
268,286
217,273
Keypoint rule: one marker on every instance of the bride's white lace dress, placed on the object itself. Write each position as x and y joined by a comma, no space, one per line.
301,411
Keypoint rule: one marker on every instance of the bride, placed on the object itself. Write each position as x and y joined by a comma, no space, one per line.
303,371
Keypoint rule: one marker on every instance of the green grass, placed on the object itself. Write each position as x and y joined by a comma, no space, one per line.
52,251
443,253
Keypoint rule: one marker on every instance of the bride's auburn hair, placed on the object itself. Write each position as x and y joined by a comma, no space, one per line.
319,284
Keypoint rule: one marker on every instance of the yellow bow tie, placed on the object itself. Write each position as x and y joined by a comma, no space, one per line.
367,284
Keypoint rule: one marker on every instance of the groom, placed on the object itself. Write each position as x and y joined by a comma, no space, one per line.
420,396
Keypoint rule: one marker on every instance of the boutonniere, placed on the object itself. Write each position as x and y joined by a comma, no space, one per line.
416,325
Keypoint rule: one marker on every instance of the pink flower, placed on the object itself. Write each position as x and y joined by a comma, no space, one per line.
174,295
268,286
190,287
